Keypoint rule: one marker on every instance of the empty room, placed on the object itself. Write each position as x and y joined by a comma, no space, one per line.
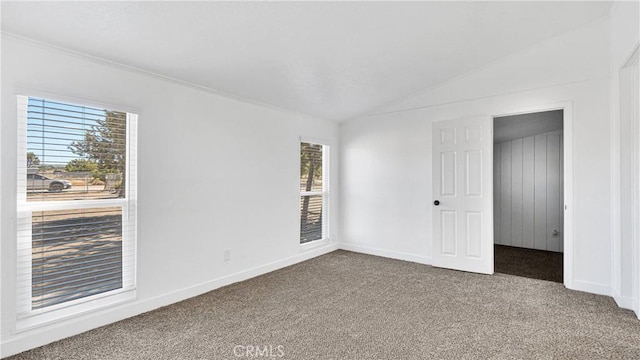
319,180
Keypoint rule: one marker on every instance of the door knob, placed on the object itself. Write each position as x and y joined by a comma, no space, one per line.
436,203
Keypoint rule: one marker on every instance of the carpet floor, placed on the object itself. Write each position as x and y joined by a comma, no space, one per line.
535,264
345,305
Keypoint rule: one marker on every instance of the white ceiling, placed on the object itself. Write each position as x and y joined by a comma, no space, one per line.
333,60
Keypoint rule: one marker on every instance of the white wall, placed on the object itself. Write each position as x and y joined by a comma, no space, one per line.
198,155
386,158
625,37
527,192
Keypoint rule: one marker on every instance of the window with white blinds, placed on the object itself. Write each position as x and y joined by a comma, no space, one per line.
76,205
314,192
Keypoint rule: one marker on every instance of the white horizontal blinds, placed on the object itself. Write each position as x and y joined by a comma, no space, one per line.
74,152
75,253
75,243
311,218
313,192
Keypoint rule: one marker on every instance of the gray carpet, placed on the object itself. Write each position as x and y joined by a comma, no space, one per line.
345,305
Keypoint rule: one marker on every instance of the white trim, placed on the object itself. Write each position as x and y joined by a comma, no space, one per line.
67,310
615,178
326,188
590,287
625,302
71,204
391,254
633,84
316,141
39,337
624,79
313,193
311,245
130,247
567,108
21,151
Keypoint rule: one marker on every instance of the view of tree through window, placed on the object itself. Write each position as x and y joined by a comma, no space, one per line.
312,192
78,151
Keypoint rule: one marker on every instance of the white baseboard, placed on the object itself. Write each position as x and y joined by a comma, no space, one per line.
386,253
58,331
590,287
625,302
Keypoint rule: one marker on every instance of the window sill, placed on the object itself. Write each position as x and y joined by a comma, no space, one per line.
30,321
314,244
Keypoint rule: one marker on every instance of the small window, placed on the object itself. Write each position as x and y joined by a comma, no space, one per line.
76,205
314,192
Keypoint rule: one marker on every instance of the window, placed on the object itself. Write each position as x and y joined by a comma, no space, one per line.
314,192
76,207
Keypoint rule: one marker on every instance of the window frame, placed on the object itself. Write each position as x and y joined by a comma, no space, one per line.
325,193
27,317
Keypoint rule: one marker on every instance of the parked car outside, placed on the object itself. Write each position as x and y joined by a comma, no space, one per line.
39,182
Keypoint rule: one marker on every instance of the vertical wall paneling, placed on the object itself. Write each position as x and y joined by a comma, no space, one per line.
516,193
505,201
528,196
540,196
553,192
528,192
496,193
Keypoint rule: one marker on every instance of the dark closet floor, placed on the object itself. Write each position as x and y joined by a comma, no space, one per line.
535,264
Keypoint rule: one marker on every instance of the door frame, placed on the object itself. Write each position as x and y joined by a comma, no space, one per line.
567,183
624,88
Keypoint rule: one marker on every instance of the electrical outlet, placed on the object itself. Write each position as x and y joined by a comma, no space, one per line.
227,255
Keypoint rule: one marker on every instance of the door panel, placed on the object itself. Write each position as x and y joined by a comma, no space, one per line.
449,229
474,234
448,161
462,220
473,178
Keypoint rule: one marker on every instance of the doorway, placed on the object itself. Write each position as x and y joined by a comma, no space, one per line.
528,196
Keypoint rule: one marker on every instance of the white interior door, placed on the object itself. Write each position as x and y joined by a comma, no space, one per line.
462,195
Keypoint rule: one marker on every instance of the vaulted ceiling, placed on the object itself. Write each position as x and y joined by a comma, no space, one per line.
332,60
